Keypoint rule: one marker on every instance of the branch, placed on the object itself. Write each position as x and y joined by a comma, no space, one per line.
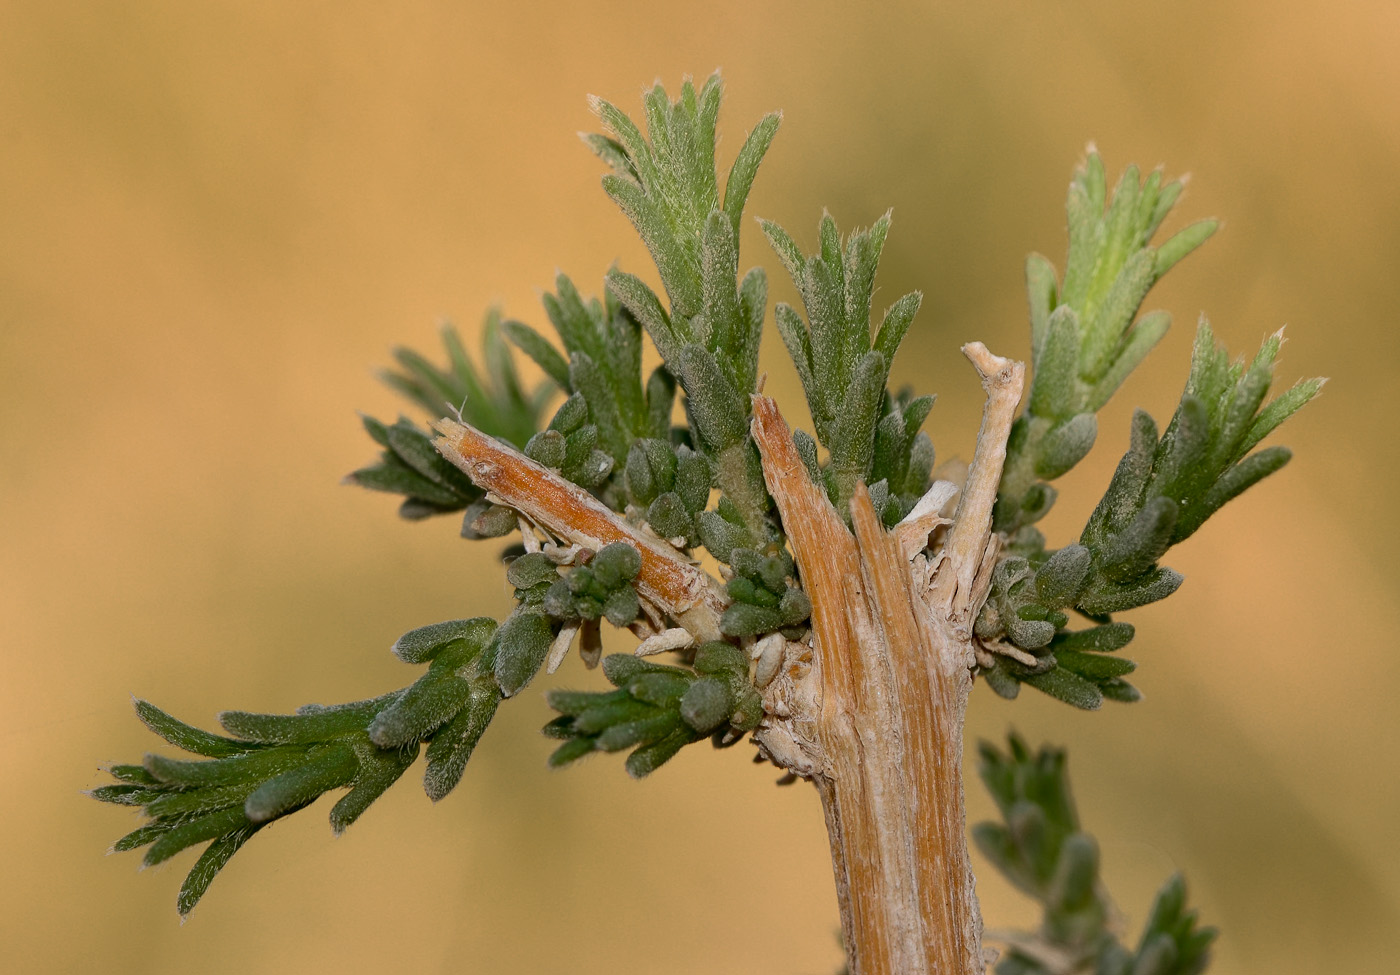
666,579
1003,380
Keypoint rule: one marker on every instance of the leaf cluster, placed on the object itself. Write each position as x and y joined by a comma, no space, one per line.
608,406
613,431
1163,490
1085,335
657,710
667,185
1041,848
870,436
671,484
600,588
411,466
765,596
492,399
275,764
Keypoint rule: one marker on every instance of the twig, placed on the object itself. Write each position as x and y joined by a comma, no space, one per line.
1003,380
682,591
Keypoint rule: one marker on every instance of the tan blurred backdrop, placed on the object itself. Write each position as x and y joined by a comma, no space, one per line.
217,218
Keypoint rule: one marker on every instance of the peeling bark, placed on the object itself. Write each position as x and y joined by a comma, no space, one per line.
667,579
876,721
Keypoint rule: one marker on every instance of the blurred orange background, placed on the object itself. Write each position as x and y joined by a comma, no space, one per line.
218,218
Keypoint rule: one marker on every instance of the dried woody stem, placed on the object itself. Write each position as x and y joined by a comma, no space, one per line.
878,728
873,712
667,580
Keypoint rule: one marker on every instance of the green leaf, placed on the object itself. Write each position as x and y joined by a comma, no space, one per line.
1029,634
210,862
719,658
197,831
1053,386
646,307
649,758
392,476
1041,295
1094,666
660,398
1105,329
718,410
1141,543
1235,482
1100,639
1183,243
1105,598
249,766
308,725
616,563
622,607
144,835
679,270
379,768
1077,871
125,794
745,167
1280,409
1059,580
614,434
571,751
1118,689
853,446
1002,683
324,769
428,703
693,479
453,744
652,728
182,804
744,619
706,705
611,152
426,642
521,646
1068,687
188,737
133,774
1121,501
663,690
528,570
1066,445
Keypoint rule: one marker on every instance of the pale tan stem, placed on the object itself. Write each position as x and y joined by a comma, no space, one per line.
667,580
1003,380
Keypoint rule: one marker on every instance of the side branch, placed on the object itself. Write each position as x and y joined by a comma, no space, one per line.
667,580
1003,380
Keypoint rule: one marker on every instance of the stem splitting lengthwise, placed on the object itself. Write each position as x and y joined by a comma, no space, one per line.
881,732
876,720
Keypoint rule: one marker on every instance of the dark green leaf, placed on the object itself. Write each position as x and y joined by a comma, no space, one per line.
1068,687
210,862
324,769
187,737
522,644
